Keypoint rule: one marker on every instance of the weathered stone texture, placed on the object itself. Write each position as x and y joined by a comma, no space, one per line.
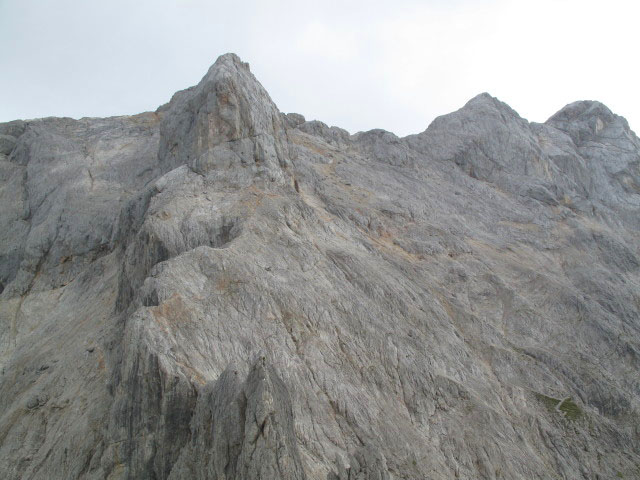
217,290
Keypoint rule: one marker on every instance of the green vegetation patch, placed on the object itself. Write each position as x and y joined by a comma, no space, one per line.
549,402
566,407
570,409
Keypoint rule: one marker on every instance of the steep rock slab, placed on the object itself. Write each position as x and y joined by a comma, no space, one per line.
242,429
280,299
227,121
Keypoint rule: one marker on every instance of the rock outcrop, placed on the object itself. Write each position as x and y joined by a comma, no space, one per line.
217,290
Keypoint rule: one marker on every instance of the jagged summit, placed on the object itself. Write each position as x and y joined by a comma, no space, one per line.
228,59
487,101
219,290
589,120
579,110
227,119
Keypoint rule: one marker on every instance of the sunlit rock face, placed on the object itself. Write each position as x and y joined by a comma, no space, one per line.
217,290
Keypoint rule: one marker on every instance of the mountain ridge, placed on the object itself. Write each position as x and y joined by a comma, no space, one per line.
220,290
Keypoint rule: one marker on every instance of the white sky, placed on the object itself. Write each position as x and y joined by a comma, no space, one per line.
359,65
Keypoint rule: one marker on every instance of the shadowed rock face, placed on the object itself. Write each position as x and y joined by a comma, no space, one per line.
217,290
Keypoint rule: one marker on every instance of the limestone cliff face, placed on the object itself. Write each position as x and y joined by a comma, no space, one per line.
217,290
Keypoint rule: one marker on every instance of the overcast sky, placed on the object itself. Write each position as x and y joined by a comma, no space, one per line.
359,65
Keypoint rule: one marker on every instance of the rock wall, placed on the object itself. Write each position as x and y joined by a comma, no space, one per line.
218,290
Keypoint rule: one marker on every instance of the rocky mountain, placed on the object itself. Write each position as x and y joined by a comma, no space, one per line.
217,290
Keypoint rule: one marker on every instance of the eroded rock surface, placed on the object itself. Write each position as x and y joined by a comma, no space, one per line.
217,290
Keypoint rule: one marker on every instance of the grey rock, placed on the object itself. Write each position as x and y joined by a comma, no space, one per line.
294,119
219,291
7,144
13,129
332,135
225,122
364,464
242,429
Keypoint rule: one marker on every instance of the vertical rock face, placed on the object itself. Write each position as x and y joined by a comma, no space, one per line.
242,428
219,291
227,121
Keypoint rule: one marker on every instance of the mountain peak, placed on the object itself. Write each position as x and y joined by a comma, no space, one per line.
228,60
217,290
586,120
223,121
486,102
582,109
481,98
